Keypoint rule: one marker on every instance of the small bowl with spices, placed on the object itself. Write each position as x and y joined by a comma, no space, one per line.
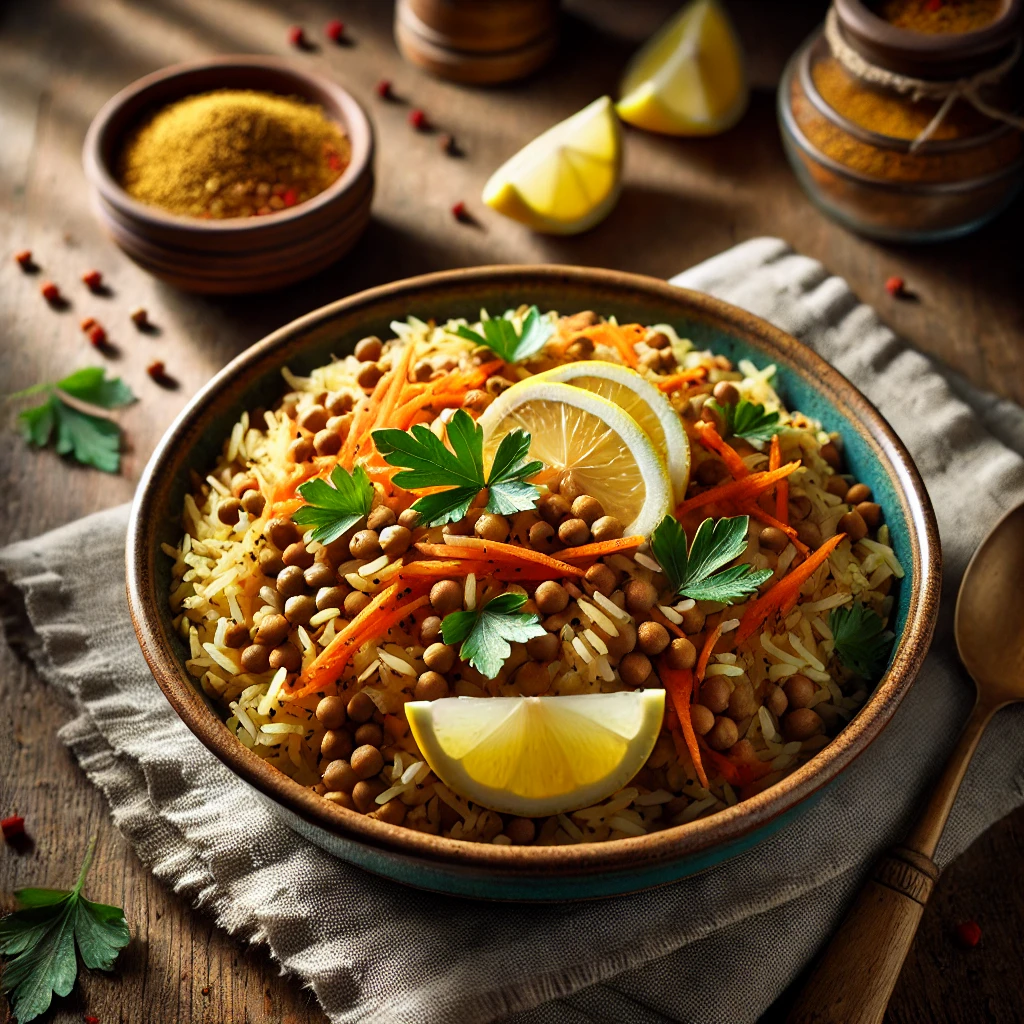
903,118
236,175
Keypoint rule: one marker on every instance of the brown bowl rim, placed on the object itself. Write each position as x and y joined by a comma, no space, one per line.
357,124
523,861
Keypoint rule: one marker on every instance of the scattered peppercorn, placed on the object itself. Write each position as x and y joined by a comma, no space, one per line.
50,292
297,37
896,287
418,120
97,336
448,145
139,317
205,990
24,259
384,89
88,324
459,211
968,934
93,280
13,826
157,371
334,30
89,1019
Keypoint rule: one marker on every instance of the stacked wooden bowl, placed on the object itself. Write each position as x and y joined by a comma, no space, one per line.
241,254
478,42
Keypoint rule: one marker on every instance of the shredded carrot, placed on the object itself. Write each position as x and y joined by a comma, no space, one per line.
782,487
775,453
783,595
737,490
659,616
752,509
733,773
439,569
679,380
705,652
399,383
498,551
621,337
710,438
599,548
679,684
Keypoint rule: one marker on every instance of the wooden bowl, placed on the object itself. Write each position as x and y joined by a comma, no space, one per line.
875,456
477,42
240,254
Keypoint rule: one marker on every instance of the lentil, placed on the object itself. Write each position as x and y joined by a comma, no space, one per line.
682,654
520,830
541,536
702,719
272,630
430,685
573,532
366,761
551,597
236,635
395,540
491,527
802,724
365,544
439,657
330,712
331,597
360,707
587,508
714,695
380,518
606,528
635,668
858,493
290,581
300,609
227,511
799,691
369,733
365,793
853,525
544,648
772,538
253,502
723,734
446,596
286,656
602,578
355,602
296,554
640,596
871,513
430,630
652,637
255,659
339,777
726,393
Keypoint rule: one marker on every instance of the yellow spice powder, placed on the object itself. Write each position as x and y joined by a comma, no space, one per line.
232,153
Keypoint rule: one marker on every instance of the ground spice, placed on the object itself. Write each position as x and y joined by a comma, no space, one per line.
233,153
939,16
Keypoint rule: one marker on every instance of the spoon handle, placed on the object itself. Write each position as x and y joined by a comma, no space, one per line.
853,980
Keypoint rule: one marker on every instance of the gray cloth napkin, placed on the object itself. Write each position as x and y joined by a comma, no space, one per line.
716,947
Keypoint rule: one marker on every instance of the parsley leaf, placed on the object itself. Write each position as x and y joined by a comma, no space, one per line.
333,510
748,419
485,633
862,642
427,462
93,440
693,574
499,335
40,939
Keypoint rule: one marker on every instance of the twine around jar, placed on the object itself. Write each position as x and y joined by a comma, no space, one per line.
948,91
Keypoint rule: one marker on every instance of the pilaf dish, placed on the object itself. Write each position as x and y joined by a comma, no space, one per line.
667,575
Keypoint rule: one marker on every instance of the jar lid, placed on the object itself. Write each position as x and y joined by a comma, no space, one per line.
928,55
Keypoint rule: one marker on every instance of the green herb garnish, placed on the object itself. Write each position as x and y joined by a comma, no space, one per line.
748,419
499,335
333,510
93,440
40,938
862,642
485,633
693,574
428,462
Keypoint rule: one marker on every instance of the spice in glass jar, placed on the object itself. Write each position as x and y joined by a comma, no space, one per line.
933,16
232,153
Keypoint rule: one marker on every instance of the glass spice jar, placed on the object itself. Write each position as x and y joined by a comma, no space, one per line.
908,129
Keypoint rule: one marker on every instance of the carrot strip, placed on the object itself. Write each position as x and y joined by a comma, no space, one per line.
679,684
599,548
746,489
615,336
659,616
506,571
783,595
710,438
499,551
705,652
734,774
752,509
399,382
782,487
675,381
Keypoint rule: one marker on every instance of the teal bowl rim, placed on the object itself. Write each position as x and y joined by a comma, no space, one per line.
226,393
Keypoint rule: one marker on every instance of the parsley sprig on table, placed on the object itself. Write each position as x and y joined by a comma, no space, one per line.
862,642
333,510
748,420
427,462
93,440
40,938
694,573
485,633
500,336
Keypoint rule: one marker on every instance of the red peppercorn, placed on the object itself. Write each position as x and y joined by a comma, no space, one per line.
968,934
290,198
97,336
933,5
448,145
895,286
139,317
418,120
13,826
90,1019
93,280
24,259
156,369
384,89
49,291
334,30
88,324
297,37
459,211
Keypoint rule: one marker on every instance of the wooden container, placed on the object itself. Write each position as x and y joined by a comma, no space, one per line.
479,42
240,254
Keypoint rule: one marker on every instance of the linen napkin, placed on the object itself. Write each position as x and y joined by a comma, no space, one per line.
716,947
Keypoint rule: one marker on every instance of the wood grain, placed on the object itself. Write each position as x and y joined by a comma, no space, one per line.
684,201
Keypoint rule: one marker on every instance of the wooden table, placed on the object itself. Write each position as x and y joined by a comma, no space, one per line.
683,201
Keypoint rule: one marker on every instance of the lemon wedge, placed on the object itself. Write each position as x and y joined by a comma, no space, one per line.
576,431
568,178
644,402
533,756
688,79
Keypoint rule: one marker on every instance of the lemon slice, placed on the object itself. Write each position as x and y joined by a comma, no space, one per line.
567,179
573,430
689,78
533,756
644,402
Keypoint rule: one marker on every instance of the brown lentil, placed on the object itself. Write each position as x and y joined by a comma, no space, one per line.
369,733
714,695
702,719
301,450
858,493
574,532
772,538
853,525
318,575
871,513
553,508
837,485
360,707
339,777
430,686
327,441
256,658
330,712
365,793
723,734
776,701
606,528
290,581
587,508
635,668
439,657
296,554
300,609
830,453
335,744
725,393
313,419
624,642
271,562
381,517
236,635
799,691
409,518
368,350
532,679
393,812
693,620
355,602
272,630
281,533
640,596
446,596
520,830
652,637
365,544
368,376
253,502
544,648
367,761
602,578
802,724
542,535
741,701
286,656
227,511
430,630
491,527
551,597
395,540
682,654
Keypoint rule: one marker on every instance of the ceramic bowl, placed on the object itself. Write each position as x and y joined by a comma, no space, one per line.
875,456
240,254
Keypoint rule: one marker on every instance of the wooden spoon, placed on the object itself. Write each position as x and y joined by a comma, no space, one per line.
853,980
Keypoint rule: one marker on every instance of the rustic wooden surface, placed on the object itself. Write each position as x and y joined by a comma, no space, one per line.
683,201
